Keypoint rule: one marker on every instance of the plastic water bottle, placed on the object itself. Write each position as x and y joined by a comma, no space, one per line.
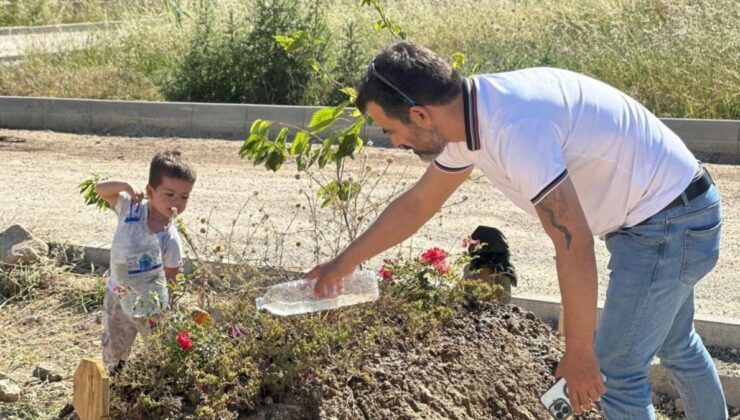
297,297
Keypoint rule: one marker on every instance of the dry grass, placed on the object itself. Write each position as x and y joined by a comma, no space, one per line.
54,328
680,58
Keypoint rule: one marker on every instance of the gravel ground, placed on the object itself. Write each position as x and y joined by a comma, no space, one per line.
40,170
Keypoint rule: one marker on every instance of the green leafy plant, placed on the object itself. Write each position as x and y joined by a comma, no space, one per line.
87,189
435,280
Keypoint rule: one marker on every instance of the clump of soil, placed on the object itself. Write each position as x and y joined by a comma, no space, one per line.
492,363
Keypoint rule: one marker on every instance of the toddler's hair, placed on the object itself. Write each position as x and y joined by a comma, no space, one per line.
170,163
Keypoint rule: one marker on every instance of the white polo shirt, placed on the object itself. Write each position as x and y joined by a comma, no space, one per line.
528,130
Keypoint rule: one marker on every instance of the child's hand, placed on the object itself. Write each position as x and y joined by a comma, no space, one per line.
136,195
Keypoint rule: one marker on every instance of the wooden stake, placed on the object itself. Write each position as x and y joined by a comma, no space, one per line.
91,390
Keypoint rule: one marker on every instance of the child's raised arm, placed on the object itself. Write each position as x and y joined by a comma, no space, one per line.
108,191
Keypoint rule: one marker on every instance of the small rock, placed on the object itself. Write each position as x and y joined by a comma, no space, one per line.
18,246
47,372
679,405
734,351
9,391
268,400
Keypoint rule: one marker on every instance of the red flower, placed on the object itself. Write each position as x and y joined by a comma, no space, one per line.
385,273
433,256
184,340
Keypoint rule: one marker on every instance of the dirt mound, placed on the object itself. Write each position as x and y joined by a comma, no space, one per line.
491,363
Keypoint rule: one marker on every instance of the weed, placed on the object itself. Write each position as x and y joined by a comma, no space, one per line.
22,282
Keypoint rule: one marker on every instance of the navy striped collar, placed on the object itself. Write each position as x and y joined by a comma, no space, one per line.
470,105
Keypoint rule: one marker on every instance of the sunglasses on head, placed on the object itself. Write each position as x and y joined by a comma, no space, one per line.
373,72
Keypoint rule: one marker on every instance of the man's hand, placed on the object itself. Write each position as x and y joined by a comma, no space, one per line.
329,277
583,378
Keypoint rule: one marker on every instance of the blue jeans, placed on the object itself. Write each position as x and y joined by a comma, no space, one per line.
649,310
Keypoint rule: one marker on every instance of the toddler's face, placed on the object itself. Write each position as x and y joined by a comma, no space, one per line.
170,193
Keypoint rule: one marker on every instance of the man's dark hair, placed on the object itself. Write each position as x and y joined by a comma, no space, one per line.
420,74
171,164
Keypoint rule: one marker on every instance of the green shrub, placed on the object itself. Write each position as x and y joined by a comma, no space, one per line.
678,57
236,59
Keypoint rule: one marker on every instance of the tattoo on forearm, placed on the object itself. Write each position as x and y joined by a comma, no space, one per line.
551,216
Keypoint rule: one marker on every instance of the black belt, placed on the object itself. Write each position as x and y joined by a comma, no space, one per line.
698,186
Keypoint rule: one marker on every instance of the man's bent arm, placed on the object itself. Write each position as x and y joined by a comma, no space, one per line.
562,217
401,219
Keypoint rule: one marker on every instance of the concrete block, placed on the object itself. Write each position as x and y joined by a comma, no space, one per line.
545,307
22,113
291,115
718,331
116,117
166,118
662,382
224,121
707,136
72,115
731,387
375,133
714,330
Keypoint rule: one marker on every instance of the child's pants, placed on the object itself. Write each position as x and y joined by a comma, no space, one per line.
119,330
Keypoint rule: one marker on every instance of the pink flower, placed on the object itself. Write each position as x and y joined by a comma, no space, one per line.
236,331
433,256
467,243
442,268
385,273
184,340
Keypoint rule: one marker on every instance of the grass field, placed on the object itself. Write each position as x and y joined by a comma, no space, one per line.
681,58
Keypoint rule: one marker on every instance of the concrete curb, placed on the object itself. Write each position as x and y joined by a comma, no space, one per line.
232,121
157,119
714,330
62,27
662,383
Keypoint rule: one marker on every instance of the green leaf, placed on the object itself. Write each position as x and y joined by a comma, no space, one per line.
326,154
250,144
347,144
299,144
281,138
87,190
350,92
260,127
458,60
275,160
285,41
261,156
326,117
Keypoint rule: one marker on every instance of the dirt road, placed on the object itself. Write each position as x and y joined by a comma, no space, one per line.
39,173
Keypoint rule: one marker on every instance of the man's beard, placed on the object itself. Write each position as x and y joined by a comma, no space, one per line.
432,139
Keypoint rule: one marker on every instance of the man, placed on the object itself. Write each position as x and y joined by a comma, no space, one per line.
587,160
